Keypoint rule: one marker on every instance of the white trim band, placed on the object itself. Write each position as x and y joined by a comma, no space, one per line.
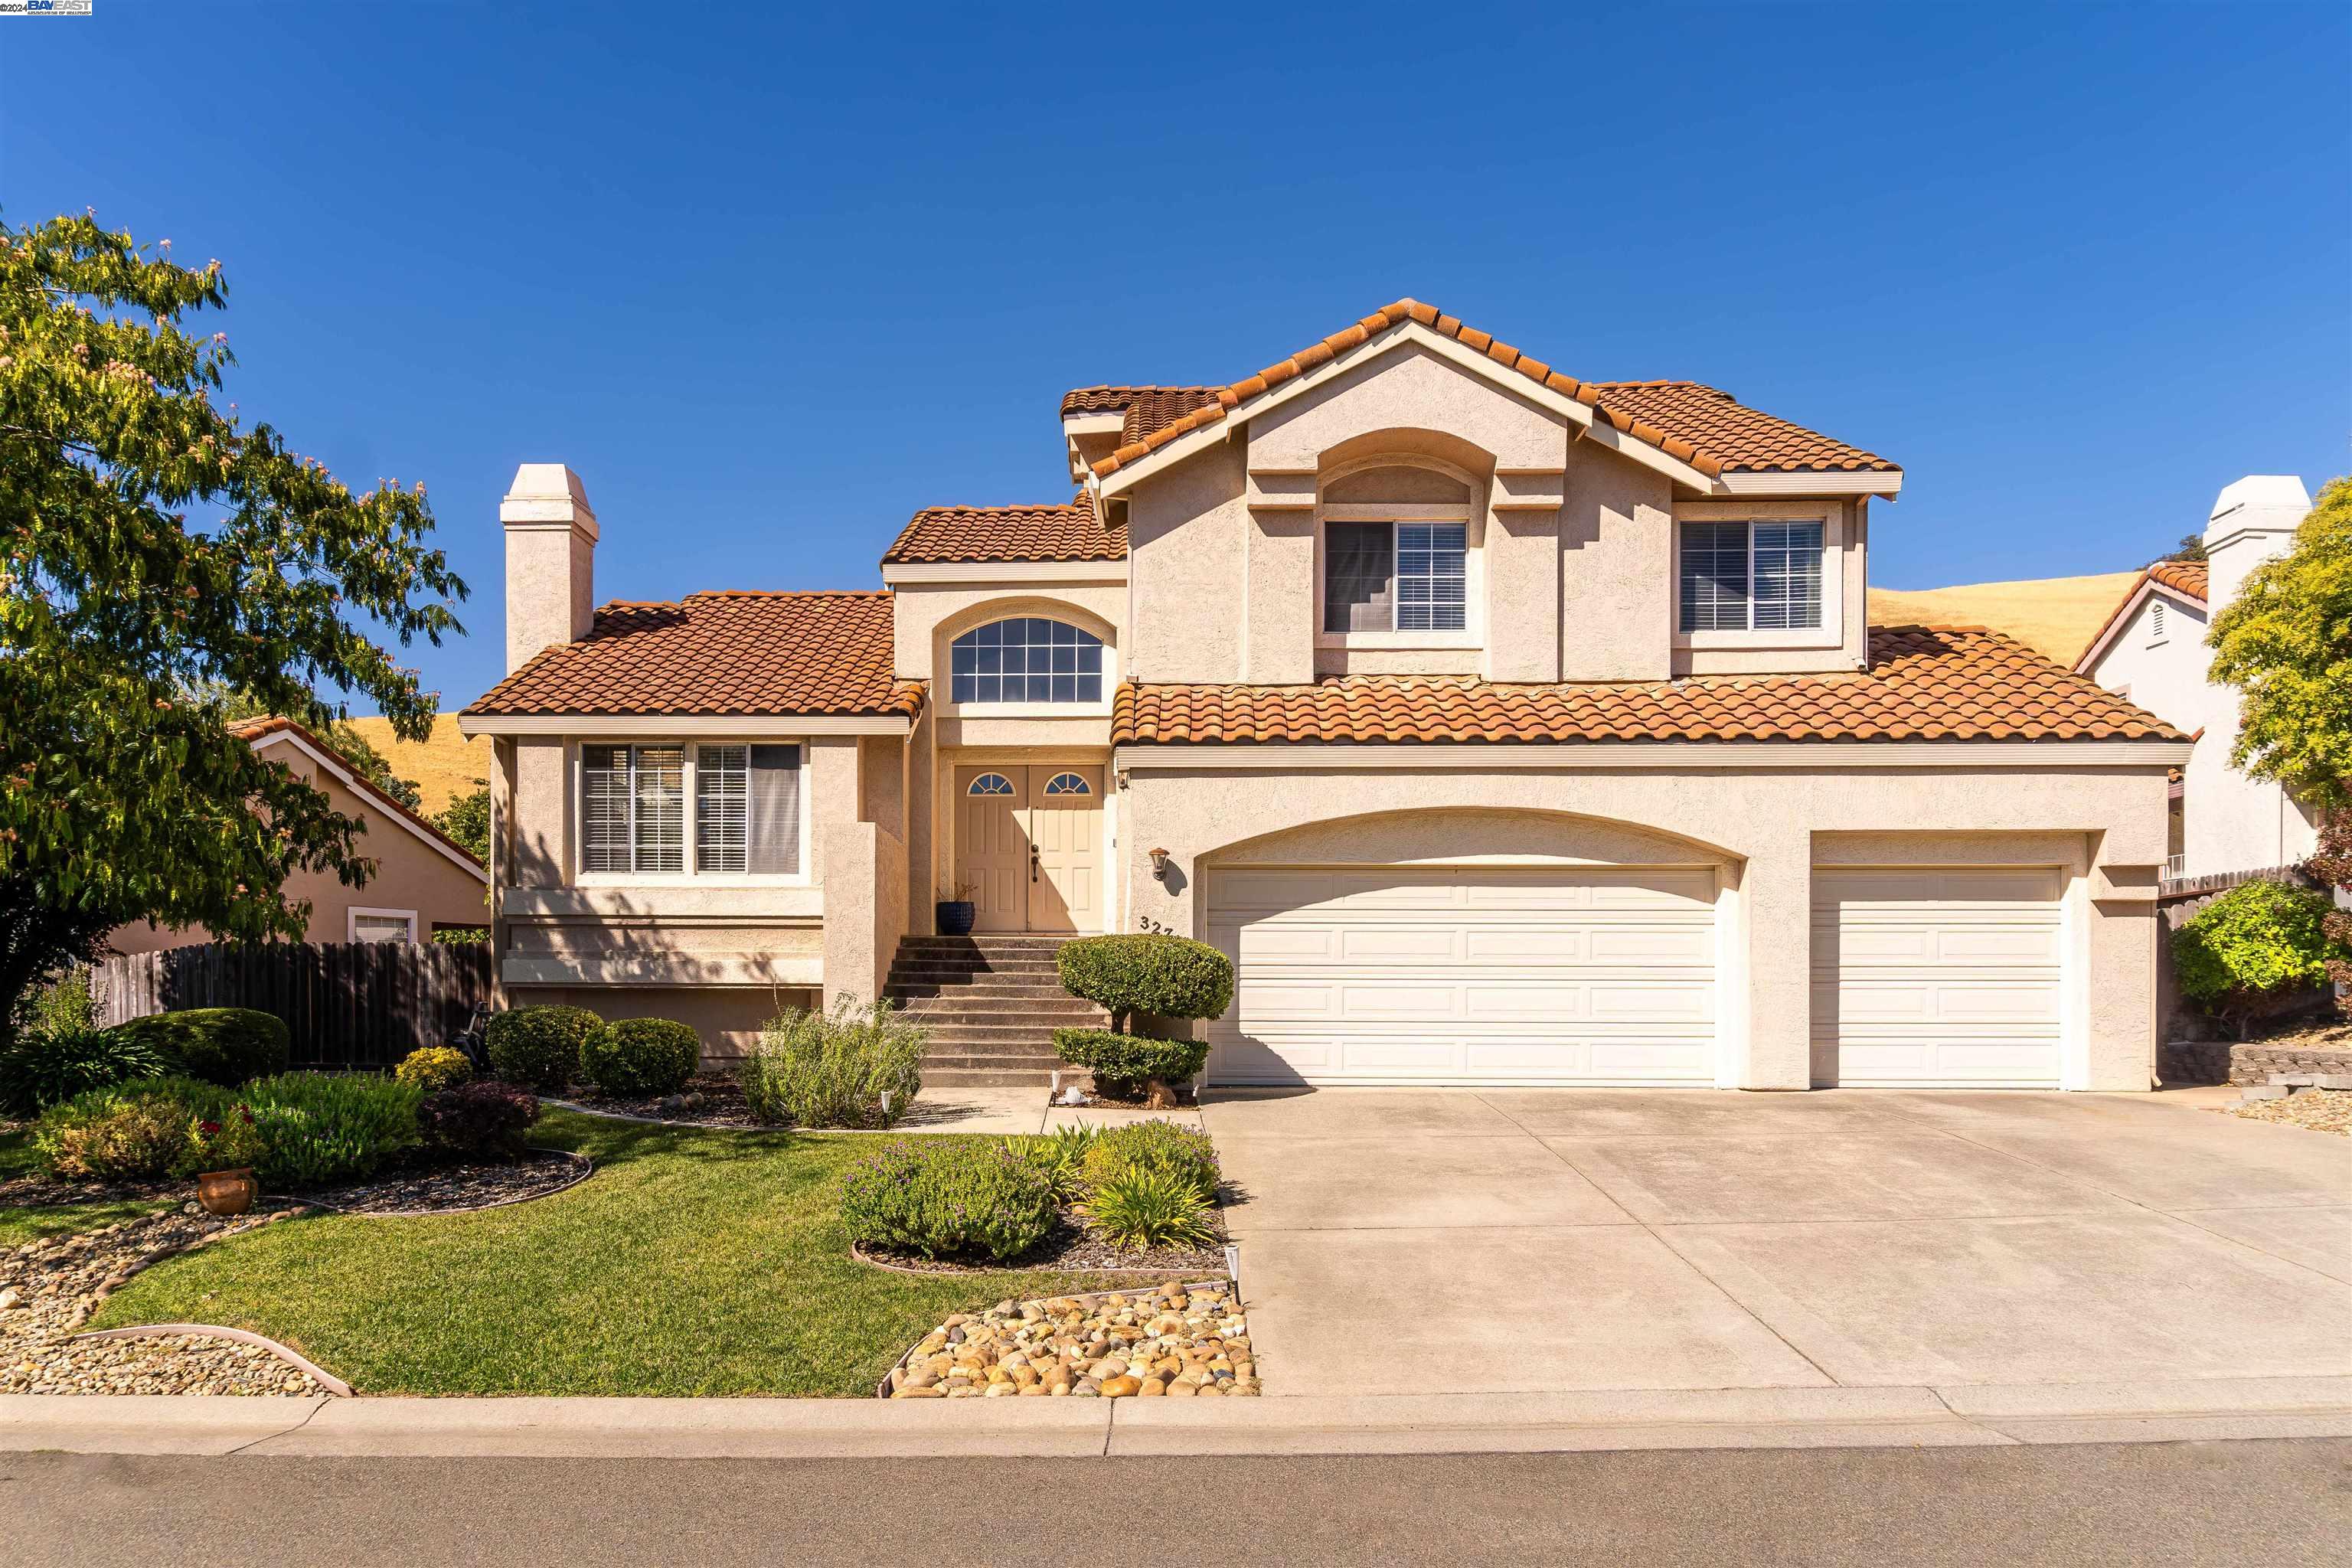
1604,755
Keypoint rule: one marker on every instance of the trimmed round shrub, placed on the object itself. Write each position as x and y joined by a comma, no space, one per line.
2254,942
945,1198
478,1120
46,1068
1167,976
540,1046
632,1056
1179,1152
1124,1063
435,1067
1142,1209
226,1045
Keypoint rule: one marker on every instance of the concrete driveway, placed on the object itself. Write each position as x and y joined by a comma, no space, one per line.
1399,1240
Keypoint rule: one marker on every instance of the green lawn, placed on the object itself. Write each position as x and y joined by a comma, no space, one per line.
18,1227
693,1262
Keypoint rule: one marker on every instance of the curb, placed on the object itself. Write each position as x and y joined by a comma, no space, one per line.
1596,1421
287,1353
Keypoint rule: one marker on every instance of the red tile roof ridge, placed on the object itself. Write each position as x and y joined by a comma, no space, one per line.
1112,397
1815,452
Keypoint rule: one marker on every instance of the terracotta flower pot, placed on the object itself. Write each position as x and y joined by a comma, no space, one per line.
226,1192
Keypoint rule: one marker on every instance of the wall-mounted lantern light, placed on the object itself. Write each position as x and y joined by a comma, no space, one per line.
1159,864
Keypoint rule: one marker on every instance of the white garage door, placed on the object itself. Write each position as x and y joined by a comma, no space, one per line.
1465,974
1938,975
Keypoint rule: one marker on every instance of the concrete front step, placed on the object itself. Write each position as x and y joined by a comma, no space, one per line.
1036,976
998,1005
988,1078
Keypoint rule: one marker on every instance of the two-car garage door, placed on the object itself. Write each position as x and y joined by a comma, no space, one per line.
1485,975
1466,974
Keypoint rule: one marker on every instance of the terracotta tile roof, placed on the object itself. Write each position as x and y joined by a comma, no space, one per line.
720,653
2184,577
251,729
2180,576
1723,426
1119,399
1069,532
1723,436
1925,683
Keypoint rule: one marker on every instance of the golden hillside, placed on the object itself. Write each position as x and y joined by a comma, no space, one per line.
2056,616
442,768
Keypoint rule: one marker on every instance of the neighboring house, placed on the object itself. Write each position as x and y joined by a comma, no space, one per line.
1504,727
2152,650
423,882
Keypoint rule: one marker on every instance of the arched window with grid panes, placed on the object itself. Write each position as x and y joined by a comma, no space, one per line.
1025,659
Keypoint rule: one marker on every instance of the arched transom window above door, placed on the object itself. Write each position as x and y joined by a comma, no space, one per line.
1067,783
1025,659
990,783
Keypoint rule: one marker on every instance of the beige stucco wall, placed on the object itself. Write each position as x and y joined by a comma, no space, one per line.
927,616
410,874
1765,828
1187,540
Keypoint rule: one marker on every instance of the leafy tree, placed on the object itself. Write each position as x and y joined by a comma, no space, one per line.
2255,944
2286,643
349,743
2190,548
467,819
153,545
2332,864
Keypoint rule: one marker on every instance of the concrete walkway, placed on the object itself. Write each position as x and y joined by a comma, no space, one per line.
1457,1242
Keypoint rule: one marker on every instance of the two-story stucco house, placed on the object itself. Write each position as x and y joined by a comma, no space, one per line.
2152,650
1504,727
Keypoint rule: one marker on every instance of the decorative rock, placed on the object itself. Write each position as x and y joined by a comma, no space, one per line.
1179,1341
1121,1387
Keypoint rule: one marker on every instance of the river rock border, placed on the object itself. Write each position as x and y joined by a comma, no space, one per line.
583,1168
1181,1340
287,1353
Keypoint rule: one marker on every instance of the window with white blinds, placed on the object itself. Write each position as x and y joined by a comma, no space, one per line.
1751,576
746,809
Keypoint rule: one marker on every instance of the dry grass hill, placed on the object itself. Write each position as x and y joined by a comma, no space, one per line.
2056,616
442,768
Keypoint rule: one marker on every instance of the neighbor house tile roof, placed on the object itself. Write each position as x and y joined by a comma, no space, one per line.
1925,683
720,653
1069,532
252,731
2186,578
1704,427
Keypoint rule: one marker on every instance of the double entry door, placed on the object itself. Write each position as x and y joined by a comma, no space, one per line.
1029,845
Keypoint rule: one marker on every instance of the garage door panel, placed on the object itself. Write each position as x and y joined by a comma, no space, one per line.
1928,975
1469,973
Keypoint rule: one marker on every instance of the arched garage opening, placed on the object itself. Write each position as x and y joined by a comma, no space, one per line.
1474,947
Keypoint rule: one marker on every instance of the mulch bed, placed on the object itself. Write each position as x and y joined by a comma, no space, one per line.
1070,1249
709,1100
445,1189
38,1191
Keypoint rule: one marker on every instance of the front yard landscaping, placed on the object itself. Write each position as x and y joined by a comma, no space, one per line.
694,1262
24,1218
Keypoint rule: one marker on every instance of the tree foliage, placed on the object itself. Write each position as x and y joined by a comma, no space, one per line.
153,546
2332,864
2286,643
467,819
2256,943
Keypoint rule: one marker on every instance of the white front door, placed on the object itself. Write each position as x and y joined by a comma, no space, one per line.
1938,975
1465,974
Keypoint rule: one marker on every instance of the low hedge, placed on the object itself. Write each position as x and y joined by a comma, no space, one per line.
540,1046
1168,976
127,1132
226,1045
635,1057
435,1067
942,1197
315,1128
1123,1063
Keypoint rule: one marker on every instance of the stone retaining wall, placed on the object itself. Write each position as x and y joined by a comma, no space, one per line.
2200,1061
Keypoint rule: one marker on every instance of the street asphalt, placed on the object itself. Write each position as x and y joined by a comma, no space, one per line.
2275,1503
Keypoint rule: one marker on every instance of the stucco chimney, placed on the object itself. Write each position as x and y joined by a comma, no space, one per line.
551,560
2254,520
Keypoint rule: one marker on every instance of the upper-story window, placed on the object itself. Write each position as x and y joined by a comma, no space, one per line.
1027,659
745,818
1396,552
1751,576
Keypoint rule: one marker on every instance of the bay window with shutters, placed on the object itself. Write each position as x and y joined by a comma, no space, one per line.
716,812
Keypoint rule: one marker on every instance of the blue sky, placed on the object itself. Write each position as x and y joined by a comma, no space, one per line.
770,282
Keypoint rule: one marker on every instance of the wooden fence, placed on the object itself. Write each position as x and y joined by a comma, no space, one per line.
348,1004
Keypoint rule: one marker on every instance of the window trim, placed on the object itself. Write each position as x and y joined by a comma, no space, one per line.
1835,542
1470,515
352,921
688,878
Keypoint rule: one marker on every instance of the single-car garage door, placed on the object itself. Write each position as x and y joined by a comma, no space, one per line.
1465,974
1938,975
